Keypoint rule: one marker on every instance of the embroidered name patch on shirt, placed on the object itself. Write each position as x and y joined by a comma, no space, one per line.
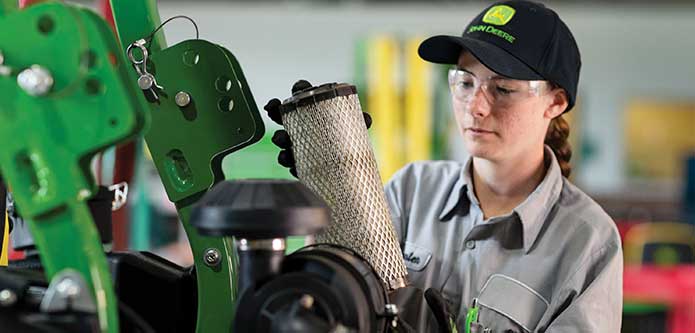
416,257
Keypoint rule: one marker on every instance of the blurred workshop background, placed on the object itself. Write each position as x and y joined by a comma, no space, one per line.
633,130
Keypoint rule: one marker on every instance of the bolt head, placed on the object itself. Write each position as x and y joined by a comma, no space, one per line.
68,288
4,70
35,80
145,82
212,257
182,99
391,309
7,297
307,301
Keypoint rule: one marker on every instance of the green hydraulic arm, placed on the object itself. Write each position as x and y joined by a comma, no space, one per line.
65,94
203,111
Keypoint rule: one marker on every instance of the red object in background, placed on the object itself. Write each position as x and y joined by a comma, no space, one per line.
12,254
672,286
27,3
104,7
124,168
123,172
625,225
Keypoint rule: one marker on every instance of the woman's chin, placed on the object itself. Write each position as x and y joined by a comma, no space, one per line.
480,150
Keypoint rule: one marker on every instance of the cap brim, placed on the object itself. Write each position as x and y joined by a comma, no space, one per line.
447,49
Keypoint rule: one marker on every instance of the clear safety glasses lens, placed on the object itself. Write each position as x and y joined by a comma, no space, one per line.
464,85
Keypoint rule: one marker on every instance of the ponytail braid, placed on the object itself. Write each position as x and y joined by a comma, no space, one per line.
556,139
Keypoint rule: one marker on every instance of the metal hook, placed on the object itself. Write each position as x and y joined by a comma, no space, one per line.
140,44
146,81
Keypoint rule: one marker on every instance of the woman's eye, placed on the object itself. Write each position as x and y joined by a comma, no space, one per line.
466,84
504,91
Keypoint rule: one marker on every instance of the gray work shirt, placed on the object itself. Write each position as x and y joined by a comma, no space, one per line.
552,265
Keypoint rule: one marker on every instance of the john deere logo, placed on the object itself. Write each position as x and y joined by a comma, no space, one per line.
499,15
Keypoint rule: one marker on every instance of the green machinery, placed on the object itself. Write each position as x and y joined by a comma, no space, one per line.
220,116
68,91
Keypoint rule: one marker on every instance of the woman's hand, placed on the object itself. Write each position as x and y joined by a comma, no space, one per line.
281,138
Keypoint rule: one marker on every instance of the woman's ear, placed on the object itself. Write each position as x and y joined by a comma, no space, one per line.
557,103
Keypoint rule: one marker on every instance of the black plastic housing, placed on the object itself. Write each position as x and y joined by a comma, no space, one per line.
260,209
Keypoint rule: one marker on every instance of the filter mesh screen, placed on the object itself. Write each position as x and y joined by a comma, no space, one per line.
335,159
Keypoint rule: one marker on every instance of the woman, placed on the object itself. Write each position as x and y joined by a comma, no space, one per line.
509,242
507,232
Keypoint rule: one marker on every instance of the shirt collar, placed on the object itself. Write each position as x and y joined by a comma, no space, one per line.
532,212
459,192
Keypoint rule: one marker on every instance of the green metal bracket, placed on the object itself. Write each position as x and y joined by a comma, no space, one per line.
222,116
49,137
188,143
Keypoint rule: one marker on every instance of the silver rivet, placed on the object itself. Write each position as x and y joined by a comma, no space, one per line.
307,301
212,257
470,244
68,288
35,80
391,309
7,297
182,99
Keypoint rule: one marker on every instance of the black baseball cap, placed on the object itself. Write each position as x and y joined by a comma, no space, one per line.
518,39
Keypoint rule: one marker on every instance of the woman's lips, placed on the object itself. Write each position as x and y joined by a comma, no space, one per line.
480,131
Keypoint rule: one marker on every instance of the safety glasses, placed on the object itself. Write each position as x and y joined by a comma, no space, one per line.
496,89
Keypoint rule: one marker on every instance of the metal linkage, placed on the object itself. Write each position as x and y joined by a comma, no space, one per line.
58,63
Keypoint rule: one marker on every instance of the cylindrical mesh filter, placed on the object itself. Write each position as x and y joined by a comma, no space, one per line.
335,159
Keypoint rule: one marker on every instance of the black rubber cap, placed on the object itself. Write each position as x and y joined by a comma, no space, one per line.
312,95
260,209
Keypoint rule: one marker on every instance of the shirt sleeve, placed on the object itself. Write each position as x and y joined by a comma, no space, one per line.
394,199
593,296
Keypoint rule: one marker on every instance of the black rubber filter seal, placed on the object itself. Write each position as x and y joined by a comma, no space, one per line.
317,94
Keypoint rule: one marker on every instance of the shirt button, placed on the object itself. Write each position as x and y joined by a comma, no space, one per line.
470,244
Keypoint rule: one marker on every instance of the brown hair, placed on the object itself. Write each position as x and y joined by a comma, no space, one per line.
556,139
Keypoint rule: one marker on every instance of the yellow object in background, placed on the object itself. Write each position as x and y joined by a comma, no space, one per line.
5,240
666,234
658,137
418,104
383,103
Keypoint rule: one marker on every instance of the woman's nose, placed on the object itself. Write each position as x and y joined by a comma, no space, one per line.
478,104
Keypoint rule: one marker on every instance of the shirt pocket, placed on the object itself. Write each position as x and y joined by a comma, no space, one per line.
509,305
420,264
416,257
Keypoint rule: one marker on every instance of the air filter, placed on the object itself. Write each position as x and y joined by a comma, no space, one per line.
334,158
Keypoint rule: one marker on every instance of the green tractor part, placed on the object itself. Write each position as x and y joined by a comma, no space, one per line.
188,140
7,6
202,110
65,94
